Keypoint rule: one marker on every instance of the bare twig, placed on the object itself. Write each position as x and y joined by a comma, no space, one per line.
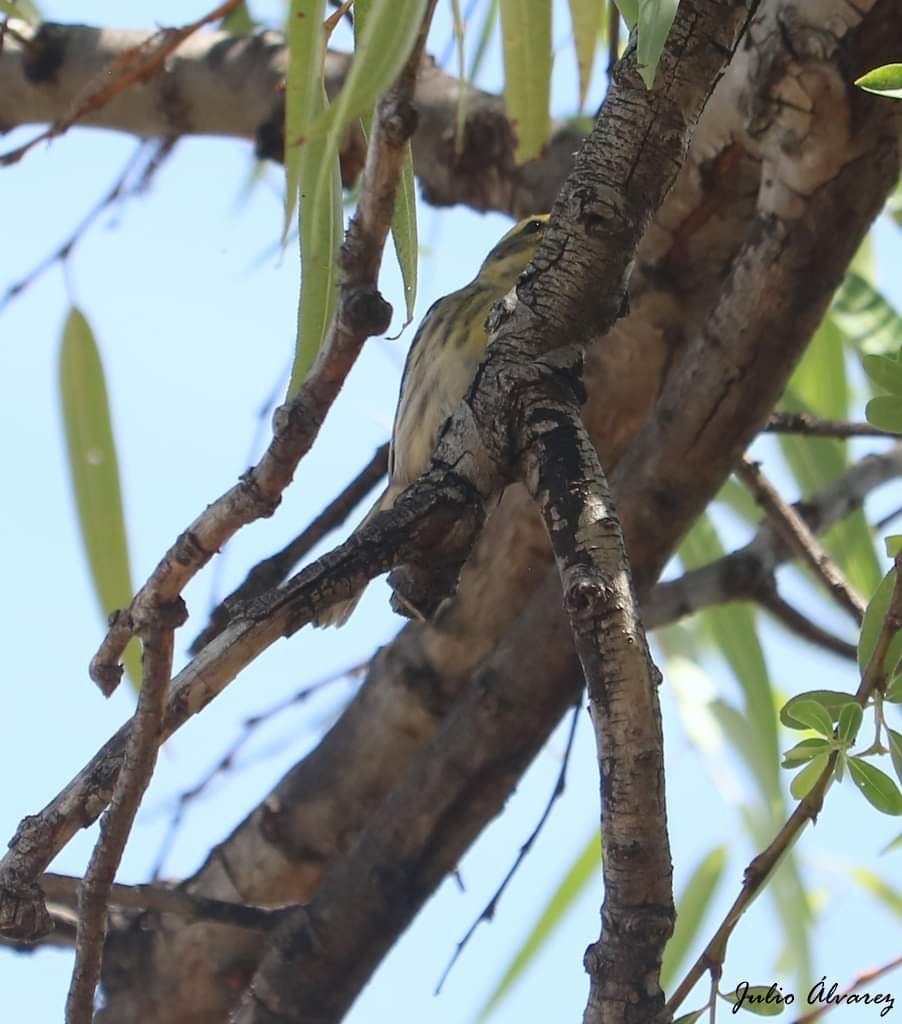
807,810
803,423
792,528
361,313
802,626
140,758
278,567
865,978
488,911
227,761
135,65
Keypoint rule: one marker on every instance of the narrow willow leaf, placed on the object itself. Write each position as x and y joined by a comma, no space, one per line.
874,617
94,470
692,905
895,751
629,11
485,37
462,91
849,723
404,232
526,30
802,784
24,10
885,412
893,544
832,701
885,81
578,875
321,225
890,897
655,20
303,91
884,371
762,1000
240,21
586,18
691,1018
896,844
384,32
877,787
868,321
804,751
811,715
894,691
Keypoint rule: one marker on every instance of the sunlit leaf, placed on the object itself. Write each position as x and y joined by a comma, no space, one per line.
303,91
889,897
94,468
885,81
804,751
885,371
585,16
811,715
692,905
877,787
803,783
578,875
526,31
23,10
849,723
655,20
832,701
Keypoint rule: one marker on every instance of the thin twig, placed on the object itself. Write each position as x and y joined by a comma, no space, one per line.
133,66
807,810
361,312
227,761
802,626
278,567
163,899
488,911
865,978
803,423
795,532
116,824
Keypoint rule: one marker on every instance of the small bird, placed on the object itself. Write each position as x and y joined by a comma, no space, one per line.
440,366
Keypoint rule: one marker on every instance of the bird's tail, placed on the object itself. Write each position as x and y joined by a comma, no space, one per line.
339,613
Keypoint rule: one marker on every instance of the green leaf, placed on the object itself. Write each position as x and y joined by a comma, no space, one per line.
24,11
485,37
691,1018
629,11
303,91
804,751
893,544
890,897
884,371
578,875
885,412
655,20
691,908
460,120
526,31
832,701
321,225
404,232
762,1000
895,751
896,844
894,691
849,723
810,715
585,16
867,320
95,472
874,617
878,788
384,32
803,783
885,81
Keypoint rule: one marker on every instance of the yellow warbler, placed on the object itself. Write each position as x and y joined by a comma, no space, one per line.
440,366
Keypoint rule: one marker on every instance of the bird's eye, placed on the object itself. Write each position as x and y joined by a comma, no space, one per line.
532,227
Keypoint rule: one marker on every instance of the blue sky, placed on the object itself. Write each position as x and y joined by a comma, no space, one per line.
195,323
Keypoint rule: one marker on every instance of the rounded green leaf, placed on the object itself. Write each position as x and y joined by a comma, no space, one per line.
803,752
94,469
876,786
884,371
809,714
885,81
803,783
885,412
872,624
832,701
849,723
526,32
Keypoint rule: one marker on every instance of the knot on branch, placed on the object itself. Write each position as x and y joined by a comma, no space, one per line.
365,312
23,913
167,616
400,119
585,593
